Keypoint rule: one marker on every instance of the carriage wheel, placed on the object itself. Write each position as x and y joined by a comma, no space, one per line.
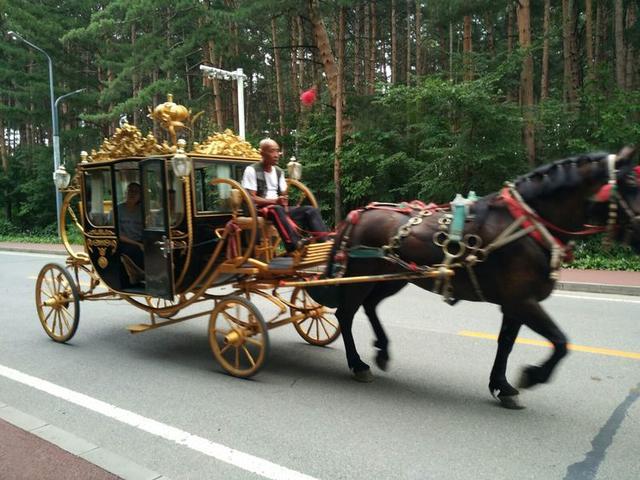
70,226
57,302
238,336
299,194
320,326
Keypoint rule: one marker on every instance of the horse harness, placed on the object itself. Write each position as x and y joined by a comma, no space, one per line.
468,252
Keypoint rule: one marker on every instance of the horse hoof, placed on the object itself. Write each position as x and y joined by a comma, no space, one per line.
512,402
527,379
364,376
382,360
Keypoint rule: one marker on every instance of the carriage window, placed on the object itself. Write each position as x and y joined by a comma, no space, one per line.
152,198
98,196
216,198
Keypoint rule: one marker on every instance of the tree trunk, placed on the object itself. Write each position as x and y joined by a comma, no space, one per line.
373,46
394,43
339,101
367,49
491,41
526,79
293,69
588,20
301,52
510,29
408,42
568,29
279,86
630,57
419,67
544,77
450,51
357,42
619,38
217,99
467,49
324,49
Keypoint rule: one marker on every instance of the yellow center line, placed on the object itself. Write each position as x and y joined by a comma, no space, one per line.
543,343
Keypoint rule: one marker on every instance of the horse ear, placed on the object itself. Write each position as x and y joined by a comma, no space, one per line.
627,153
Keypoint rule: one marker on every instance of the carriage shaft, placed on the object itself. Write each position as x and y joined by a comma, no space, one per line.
440,273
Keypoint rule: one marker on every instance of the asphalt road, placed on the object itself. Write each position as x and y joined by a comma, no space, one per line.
160,399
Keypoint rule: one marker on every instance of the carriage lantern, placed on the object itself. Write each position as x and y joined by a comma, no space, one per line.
181,163
294,168
61,177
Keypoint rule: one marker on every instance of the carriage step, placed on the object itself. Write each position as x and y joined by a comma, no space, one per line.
140,327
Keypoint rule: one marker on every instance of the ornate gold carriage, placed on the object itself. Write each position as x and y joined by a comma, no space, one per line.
200,233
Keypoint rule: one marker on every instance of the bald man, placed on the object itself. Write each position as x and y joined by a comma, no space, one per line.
266,184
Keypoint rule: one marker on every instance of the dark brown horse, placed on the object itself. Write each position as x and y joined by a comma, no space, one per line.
512,245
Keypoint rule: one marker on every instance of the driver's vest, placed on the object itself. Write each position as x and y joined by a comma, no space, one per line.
262,182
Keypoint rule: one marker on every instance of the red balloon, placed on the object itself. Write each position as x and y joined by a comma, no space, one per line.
308,97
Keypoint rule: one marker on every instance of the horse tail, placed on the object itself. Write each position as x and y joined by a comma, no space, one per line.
338,255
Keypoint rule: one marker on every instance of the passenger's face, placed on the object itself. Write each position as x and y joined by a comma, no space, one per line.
133,194
270,153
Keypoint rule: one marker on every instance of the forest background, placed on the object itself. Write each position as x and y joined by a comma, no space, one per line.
416,99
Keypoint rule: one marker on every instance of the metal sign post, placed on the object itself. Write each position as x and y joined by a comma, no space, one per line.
239,77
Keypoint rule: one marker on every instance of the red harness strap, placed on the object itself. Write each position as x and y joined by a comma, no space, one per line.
517,210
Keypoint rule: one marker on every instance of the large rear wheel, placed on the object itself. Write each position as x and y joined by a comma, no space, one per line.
57,302
238,336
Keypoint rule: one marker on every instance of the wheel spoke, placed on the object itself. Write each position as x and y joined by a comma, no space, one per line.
237,363
46,318
253,341
251,360
65,312
321,321
310,326
230,320
55,322
225,348
60,318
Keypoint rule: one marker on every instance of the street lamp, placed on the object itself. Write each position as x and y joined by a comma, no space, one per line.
239,77
54,117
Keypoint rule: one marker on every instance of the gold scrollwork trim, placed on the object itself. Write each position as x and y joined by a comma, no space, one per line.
101,233
102,244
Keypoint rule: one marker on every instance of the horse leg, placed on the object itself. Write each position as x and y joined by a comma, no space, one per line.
540,322
380,292
498,384
352,298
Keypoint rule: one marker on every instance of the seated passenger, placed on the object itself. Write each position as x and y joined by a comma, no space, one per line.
266,184
130,225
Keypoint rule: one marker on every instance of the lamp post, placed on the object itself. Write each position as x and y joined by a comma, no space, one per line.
239,77
54,117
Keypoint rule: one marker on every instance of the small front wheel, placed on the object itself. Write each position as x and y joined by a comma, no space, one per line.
57,302
319,326
238,336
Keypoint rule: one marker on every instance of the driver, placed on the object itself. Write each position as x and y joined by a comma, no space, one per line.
265,183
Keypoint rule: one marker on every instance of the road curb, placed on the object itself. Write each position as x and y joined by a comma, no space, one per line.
101,457
598,288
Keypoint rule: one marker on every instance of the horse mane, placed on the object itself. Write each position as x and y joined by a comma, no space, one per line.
561,174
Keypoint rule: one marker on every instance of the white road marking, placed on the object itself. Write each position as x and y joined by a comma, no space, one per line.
218,451
587,297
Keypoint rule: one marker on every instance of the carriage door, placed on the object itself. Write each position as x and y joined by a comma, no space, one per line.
158,264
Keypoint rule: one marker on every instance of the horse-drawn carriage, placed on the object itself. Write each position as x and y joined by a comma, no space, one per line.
201,231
